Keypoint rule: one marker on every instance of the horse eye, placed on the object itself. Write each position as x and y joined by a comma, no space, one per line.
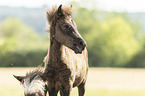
72,21
66,26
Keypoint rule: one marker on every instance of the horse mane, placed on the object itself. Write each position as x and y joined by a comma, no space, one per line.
51,13
34,83
32,74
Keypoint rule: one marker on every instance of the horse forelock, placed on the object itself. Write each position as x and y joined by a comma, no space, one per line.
31,74
34,83
35,86
51,13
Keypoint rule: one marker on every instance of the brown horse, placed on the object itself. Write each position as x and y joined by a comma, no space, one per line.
67,59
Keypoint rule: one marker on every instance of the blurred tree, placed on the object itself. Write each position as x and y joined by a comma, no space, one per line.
20,44
15,35
113,39
116,42
138,60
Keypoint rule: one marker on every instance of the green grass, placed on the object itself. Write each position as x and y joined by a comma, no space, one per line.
14,91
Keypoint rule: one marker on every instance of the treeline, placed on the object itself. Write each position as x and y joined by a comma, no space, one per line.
113,40
20,45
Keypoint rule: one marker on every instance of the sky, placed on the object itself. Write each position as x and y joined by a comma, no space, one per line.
123,5
108,5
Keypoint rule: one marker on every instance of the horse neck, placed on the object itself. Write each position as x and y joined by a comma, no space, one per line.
55,53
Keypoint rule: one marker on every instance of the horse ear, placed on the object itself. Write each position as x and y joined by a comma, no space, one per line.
19,78
59,11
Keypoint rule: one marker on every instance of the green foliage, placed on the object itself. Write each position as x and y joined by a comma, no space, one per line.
20,45
118,42
138,59
113,39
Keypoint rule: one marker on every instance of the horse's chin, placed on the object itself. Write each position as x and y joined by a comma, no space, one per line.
78,52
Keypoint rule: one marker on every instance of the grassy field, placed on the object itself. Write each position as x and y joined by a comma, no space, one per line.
101,82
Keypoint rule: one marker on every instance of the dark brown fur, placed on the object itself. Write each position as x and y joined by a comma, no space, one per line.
67,59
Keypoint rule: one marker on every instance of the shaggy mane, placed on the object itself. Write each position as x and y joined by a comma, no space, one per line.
33,83
30,74
50,13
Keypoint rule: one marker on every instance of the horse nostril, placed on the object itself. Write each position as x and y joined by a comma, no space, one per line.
81,43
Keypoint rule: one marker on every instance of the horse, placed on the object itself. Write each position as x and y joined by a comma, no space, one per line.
33,83
67,58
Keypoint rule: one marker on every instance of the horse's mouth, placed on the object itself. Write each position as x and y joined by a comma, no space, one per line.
77,49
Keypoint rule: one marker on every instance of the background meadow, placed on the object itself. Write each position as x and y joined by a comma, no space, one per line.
100,82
